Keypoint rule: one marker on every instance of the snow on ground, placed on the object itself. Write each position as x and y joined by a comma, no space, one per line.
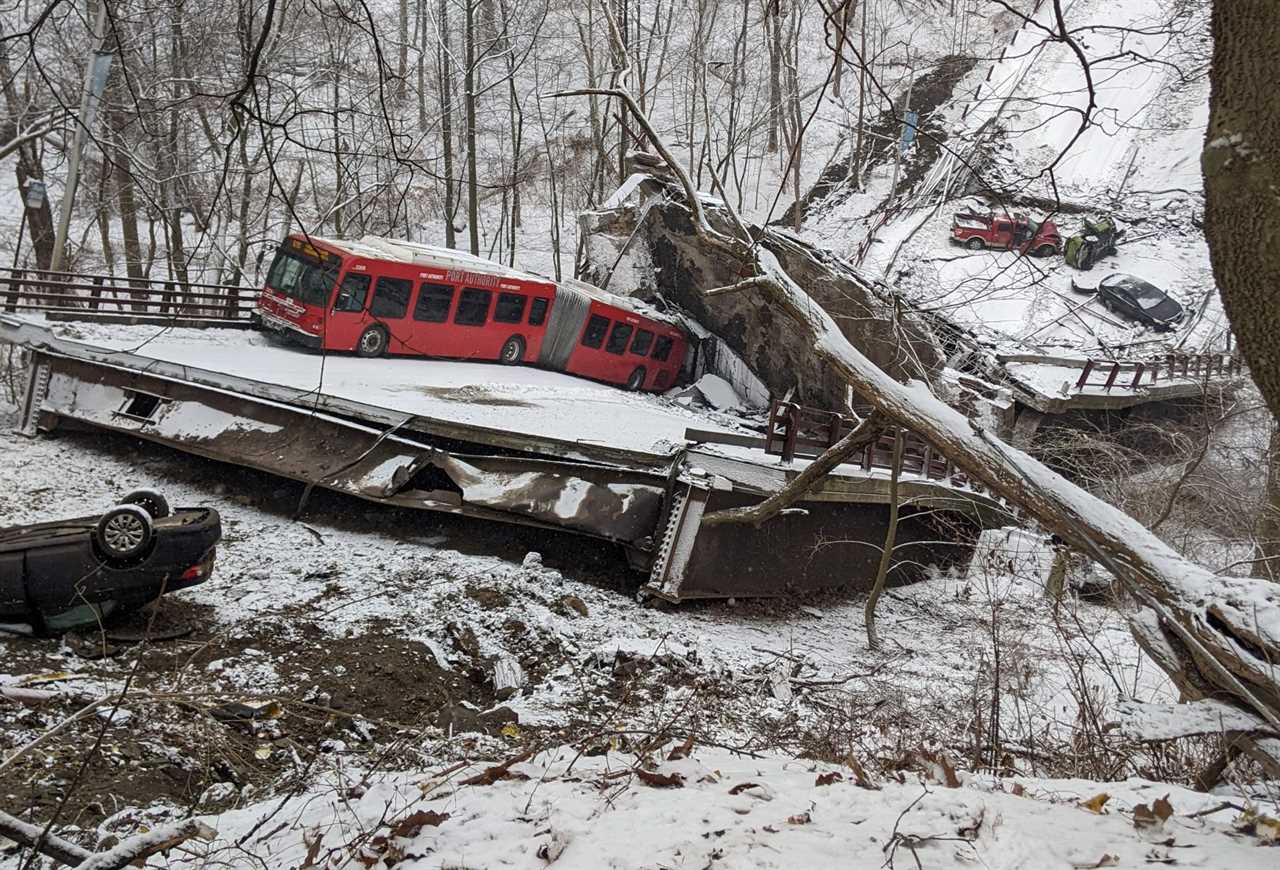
1138,160
717,808
374,633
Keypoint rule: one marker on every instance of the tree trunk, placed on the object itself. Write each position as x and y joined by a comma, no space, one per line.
27,168
1241,164
1267,531
403,68
773,39
473,183
886,554
128,208
446,126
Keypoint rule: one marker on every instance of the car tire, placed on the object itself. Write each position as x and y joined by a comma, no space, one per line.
150,501
635,382
975,244
512,352
1046,251
124,532
372,343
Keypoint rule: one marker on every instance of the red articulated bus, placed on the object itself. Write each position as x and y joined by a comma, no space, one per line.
377,296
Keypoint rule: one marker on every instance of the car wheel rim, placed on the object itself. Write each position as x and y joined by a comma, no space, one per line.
511,352
371,342
123,533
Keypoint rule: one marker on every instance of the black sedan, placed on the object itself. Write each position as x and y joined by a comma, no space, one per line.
1142,301
70,573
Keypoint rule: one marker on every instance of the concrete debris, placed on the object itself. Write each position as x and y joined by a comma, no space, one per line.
508,677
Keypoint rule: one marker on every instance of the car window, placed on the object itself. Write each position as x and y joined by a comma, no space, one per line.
619,337
433,303
390,298
353,293
538,312
593,335
473,307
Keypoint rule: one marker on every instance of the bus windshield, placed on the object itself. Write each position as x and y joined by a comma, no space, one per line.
302,274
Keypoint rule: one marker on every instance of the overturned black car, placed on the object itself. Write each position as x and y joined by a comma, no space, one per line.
69,573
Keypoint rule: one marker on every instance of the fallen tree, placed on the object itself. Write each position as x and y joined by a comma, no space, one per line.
1217,637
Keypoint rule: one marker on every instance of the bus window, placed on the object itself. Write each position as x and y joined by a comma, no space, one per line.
305,277
538,312
391,298
597,326
473,307
510,308
619,337
644,340
353,293
662,348
433,303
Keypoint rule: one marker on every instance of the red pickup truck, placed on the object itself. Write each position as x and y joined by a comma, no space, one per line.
1009,232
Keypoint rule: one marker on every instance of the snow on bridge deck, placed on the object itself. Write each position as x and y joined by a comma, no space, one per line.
509,400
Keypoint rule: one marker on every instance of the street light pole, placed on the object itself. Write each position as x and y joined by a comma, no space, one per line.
95,81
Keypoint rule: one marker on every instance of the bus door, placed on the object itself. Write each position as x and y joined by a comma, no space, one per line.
347,313
388,305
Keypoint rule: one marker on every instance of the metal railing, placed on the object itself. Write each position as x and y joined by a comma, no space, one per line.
1129,375
71,294
795,430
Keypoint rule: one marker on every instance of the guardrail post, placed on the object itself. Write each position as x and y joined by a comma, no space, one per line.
95,295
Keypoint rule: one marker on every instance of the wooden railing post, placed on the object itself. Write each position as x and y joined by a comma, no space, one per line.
15,290
791,421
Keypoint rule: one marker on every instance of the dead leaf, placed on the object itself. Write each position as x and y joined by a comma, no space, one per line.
828,778
1018,790
1105,861
741,787
660,780
1162,808
681,751
1144,818
411,824
799,819
1095,803
490,775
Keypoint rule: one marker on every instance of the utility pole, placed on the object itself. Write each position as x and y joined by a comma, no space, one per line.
95,82
903,141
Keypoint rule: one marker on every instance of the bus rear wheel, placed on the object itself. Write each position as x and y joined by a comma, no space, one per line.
636,381
512,350
373,342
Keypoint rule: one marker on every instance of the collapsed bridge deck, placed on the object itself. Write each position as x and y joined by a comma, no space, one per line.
513,444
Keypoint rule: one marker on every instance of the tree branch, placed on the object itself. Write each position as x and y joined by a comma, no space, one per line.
863,434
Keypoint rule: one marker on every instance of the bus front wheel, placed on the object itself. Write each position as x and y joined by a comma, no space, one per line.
512,350
373,342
